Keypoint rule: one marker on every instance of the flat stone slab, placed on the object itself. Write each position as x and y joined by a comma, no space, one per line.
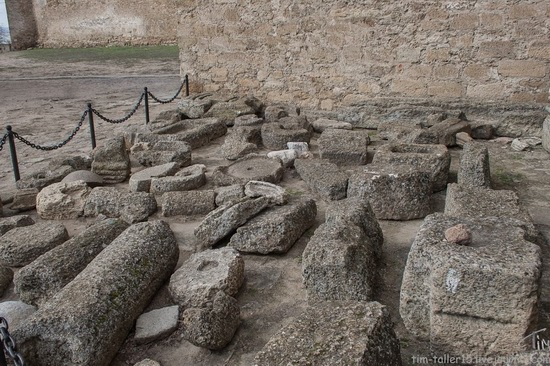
275,230
196,132
431,158
162,152
186,179
477,298
156,324
335,333
395,192
251,167
323,178
343,147
22,245
141,181
205,273
8,223
132,207
188,203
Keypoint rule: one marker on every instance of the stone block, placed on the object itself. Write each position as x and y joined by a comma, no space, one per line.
141,181
287,157
323,178
478,299
240,142
482,130
156,324
8,223
195,106
396,192
89,319
474,167
92,179
62,200
189,178
229,193
275,230
546,134
287,129
6,277
447,130
321,124
228,111
162,152
22,245
343,147
335,333
431,158
522,68
248,120
275,193
111,161
196,132
250,167
24,199
132,207
16,313
188,203
43,178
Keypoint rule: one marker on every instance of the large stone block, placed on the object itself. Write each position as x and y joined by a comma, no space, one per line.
275,230
287,129
196,132
89,319
323,178
395,192
48,274
474,167
141,181
343,147
447,130
8,223
62,200
431,158
188,203
111,161
189,178
480,298
162,152
335,333
132,207
250,167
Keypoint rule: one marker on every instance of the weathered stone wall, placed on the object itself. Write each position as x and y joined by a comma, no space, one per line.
22,24
69,23
330,54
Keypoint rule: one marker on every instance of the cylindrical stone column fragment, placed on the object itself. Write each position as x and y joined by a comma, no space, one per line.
87,321
42,278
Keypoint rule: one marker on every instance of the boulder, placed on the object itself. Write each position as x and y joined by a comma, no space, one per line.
188,203
156,324
335,333
111,161
324,178
48,274
62,200
275,230
88,320
22,245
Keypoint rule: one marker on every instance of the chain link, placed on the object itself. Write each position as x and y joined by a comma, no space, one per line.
123,119
3,141
161,101
55,146
9,344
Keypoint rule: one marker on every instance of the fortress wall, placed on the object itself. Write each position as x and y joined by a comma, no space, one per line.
330,54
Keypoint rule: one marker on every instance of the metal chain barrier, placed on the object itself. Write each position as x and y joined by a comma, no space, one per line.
9,346
56,146
161,101
3,141
123,119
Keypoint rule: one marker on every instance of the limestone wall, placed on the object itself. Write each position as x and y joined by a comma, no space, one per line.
331,53
70,23
22,24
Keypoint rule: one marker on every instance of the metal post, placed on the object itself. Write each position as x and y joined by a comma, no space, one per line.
146,106
91,120
186,85
3,361
13,154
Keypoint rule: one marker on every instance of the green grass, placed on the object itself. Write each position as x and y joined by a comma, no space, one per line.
100,53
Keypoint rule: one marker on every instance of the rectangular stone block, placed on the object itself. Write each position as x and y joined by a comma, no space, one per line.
522,68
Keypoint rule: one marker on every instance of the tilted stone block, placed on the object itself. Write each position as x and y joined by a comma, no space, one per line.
447,130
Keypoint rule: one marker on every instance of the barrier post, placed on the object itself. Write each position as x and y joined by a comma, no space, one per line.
186,85
13,154
91,121
146,106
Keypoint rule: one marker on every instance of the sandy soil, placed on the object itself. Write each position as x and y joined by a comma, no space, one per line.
43,102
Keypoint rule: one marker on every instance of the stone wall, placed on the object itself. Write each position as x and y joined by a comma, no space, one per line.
69,23
331,54
22,24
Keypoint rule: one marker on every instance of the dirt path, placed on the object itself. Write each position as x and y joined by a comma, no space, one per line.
43,101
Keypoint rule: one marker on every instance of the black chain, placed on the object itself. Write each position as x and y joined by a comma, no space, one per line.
9,344
56,146
123,119
161,101
3,141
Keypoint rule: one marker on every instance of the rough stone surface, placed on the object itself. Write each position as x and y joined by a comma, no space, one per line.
340,260
141,181
16,312
463,138
365,336
250,167
458,234
38,281
276,135
275,193
195,106
111,161
322,124
162,152
147,362
229,193
204,274
477,299
343,147
248,120
241,142
188,203
214,325
431,158
228,111
287,157
132,207
8,223
482,130
56,170
62,200
398,192
24,199
275,230
446,130
546,134
92,179
89,319
24,244
196,132
474,169
323,178
301,148
189,178
223,220
6,276
156,324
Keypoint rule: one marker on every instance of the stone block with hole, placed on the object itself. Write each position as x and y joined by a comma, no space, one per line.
395,192
343,147
324,178
431,158
474,169
250,167
476,297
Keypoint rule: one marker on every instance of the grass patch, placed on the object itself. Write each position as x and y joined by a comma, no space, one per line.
101,54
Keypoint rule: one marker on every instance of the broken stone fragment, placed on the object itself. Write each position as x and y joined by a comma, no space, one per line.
459,234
